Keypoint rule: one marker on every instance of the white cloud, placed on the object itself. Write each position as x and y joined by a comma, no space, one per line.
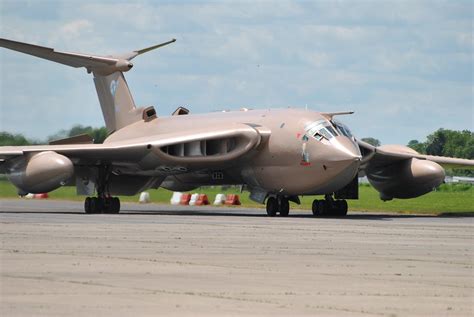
75,28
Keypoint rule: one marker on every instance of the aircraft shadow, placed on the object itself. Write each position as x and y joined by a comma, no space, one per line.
243,214
298,215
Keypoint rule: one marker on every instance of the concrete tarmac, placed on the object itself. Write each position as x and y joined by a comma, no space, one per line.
162,260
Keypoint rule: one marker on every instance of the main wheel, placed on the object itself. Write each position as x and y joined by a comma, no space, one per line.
95,205
284,207
115,205
342,208
315,208
272,207
87,205
106,204
323,208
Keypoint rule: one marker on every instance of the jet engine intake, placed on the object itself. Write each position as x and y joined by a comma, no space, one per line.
211,149
40,172
405,179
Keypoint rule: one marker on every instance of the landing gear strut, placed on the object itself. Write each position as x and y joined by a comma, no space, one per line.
278,205
329,207
103,203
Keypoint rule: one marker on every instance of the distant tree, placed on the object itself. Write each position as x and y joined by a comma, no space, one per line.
417,146
451,143
98,134
12,139
435,142
448,143
371,141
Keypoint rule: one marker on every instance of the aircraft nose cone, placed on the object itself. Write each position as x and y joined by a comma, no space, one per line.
347,150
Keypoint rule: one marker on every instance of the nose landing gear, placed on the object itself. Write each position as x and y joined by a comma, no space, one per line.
278,204
329,207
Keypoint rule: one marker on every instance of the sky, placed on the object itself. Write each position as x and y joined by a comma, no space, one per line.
404,67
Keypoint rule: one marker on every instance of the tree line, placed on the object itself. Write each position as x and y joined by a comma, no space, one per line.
442,142
97,134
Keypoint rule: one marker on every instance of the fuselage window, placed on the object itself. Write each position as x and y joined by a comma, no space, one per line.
318,136
321,129
325,133
331,130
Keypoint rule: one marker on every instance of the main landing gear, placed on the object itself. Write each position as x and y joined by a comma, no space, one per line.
103,203
329,207
107,205
278,205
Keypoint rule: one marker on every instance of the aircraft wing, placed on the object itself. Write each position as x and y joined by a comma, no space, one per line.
389,154
194,149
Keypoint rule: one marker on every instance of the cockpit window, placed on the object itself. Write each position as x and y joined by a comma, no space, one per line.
321,129
343,129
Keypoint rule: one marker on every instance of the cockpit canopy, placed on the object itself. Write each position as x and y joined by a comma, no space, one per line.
323,129
342,128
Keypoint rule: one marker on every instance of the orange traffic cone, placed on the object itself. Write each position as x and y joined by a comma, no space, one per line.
41,196
185,198
232,199
202,200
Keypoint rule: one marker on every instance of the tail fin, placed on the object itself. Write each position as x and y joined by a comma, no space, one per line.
118,107
116,101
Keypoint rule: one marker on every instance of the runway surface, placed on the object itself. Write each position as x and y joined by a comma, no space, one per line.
203,261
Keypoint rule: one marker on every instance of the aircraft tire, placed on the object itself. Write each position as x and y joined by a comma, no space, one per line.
324,208
339,208
115,205
343,208
284,207
272,207
96,205
315,207
87,205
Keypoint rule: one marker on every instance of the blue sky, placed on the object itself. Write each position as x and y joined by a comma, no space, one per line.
404,67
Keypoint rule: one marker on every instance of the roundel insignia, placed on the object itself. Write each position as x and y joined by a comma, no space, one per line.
113,87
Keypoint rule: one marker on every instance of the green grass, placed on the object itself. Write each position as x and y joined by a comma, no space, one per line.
448,199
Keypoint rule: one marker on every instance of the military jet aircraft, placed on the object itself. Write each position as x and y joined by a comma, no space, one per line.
277,154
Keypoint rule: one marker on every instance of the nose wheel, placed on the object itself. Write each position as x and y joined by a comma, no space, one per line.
330,207
278,205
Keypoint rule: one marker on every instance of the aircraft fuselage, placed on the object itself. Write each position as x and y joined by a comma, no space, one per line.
291,162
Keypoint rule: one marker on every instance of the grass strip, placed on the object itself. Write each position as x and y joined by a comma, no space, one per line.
449,199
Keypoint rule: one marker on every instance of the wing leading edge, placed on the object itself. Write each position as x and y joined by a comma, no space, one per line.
388,154
170,148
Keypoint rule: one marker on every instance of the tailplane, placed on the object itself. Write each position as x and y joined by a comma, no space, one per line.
116,101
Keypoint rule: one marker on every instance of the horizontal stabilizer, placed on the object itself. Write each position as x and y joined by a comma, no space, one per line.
102,65
69,59
134,54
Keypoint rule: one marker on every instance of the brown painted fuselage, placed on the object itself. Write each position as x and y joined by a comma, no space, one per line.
278,166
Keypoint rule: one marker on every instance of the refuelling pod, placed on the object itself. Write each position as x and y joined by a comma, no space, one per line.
406,179
40,172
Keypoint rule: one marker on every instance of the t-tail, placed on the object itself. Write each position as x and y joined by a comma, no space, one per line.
115,99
